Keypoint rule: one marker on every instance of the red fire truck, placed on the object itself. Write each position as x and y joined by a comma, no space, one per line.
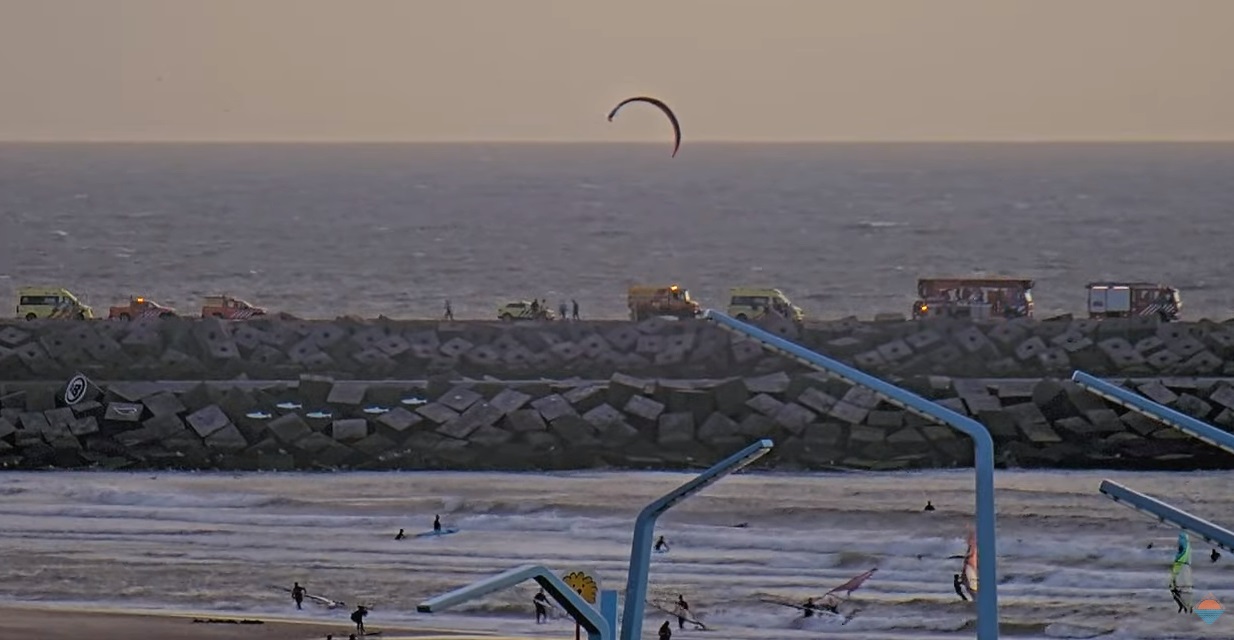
976,298
1125,299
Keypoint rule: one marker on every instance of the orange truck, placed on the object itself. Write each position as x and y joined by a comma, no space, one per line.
229,308
652,301
140,307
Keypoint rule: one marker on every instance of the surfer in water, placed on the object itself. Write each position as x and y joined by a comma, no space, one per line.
357,617
666,631
807,609
400,535
1214,555
661,545
929,506
297,594
959,587
436,524
541,603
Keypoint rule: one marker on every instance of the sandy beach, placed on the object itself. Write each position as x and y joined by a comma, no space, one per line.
48,623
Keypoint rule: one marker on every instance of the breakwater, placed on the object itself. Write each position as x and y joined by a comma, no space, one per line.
280,349
317,422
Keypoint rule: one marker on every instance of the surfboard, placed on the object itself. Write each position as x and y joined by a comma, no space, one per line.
443,532
659,550
670,607
321,600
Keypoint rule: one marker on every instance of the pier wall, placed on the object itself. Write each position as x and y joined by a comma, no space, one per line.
626,422
281,349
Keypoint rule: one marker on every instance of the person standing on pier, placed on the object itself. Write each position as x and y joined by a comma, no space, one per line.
574,303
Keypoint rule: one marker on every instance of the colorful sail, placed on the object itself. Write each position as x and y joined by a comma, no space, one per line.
969,571
1180,572
853,583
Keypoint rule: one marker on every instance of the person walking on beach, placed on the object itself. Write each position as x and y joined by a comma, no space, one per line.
666,632
561,309
682,606
297,594
449,311
574,303
959,587
541,603
357,617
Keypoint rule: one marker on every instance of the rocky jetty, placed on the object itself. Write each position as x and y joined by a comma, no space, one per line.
283,349
319,422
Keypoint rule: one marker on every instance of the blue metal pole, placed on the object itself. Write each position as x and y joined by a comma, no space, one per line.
1165,512
983,452
608,609
1161,413
645,526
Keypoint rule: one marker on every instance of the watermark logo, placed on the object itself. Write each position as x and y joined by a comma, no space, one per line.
1209,609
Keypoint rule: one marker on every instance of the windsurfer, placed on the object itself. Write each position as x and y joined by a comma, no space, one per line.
959,587
661,545
436,524
541,603
400,535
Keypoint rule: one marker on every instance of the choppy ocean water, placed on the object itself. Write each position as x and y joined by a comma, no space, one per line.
325,230
1071,564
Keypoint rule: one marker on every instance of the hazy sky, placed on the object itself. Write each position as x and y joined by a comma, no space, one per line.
551,69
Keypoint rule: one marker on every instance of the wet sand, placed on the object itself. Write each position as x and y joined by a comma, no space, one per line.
71,624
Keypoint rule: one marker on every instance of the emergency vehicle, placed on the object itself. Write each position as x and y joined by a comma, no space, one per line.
746,303
140,307
229,308
50,302
1125,299
975,298
653,301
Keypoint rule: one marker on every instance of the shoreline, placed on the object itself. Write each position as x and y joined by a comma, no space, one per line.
59,621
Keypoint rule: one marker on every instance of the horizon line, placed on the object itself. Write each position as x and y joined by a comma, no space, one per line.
547,141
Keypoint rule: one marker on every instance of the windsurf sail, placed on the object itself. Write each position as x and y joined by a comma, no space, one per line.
1180,572
852,584
968,573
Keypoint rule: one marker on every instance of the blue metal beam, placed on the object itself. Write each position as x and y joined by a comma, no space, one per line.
644,531
574,604
1163,512
1161,413
983,452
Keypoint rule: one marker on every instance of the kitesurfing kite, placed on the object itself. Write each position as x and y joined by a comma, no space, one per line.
1180,574
672,117
968,573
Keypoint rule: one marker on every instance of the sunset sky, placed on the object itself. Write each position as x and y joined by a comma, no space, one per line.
784,70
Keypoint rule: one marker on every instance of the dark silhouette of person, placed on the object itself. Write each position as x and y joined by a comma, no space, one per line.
449,311
436,524
535,307
297,594
959,587
575,304
541,603
661,545
683,606
808,609
1214,555
666,632
400,535
357,617
929,506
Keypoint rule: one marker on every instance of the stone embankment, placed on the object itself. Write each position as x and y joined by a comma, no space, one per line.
281,349
623,422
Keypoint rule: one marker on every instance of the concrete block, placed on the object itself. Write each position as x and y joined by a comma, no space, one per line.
644,408
765,404
289,428
849,413
459,398
525,421
746,351
165,426
123,412
1223,394
1193,406
816,400
794,417
1157,392
227,440
399,419
490,437
164,403
349,430
926,339
1072,342
895,350
81,427
586,397
574,431
861,397
675,429
477,415
553,407
718,428
777,382
437,413
509,400
208,420
347,393
1030,349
